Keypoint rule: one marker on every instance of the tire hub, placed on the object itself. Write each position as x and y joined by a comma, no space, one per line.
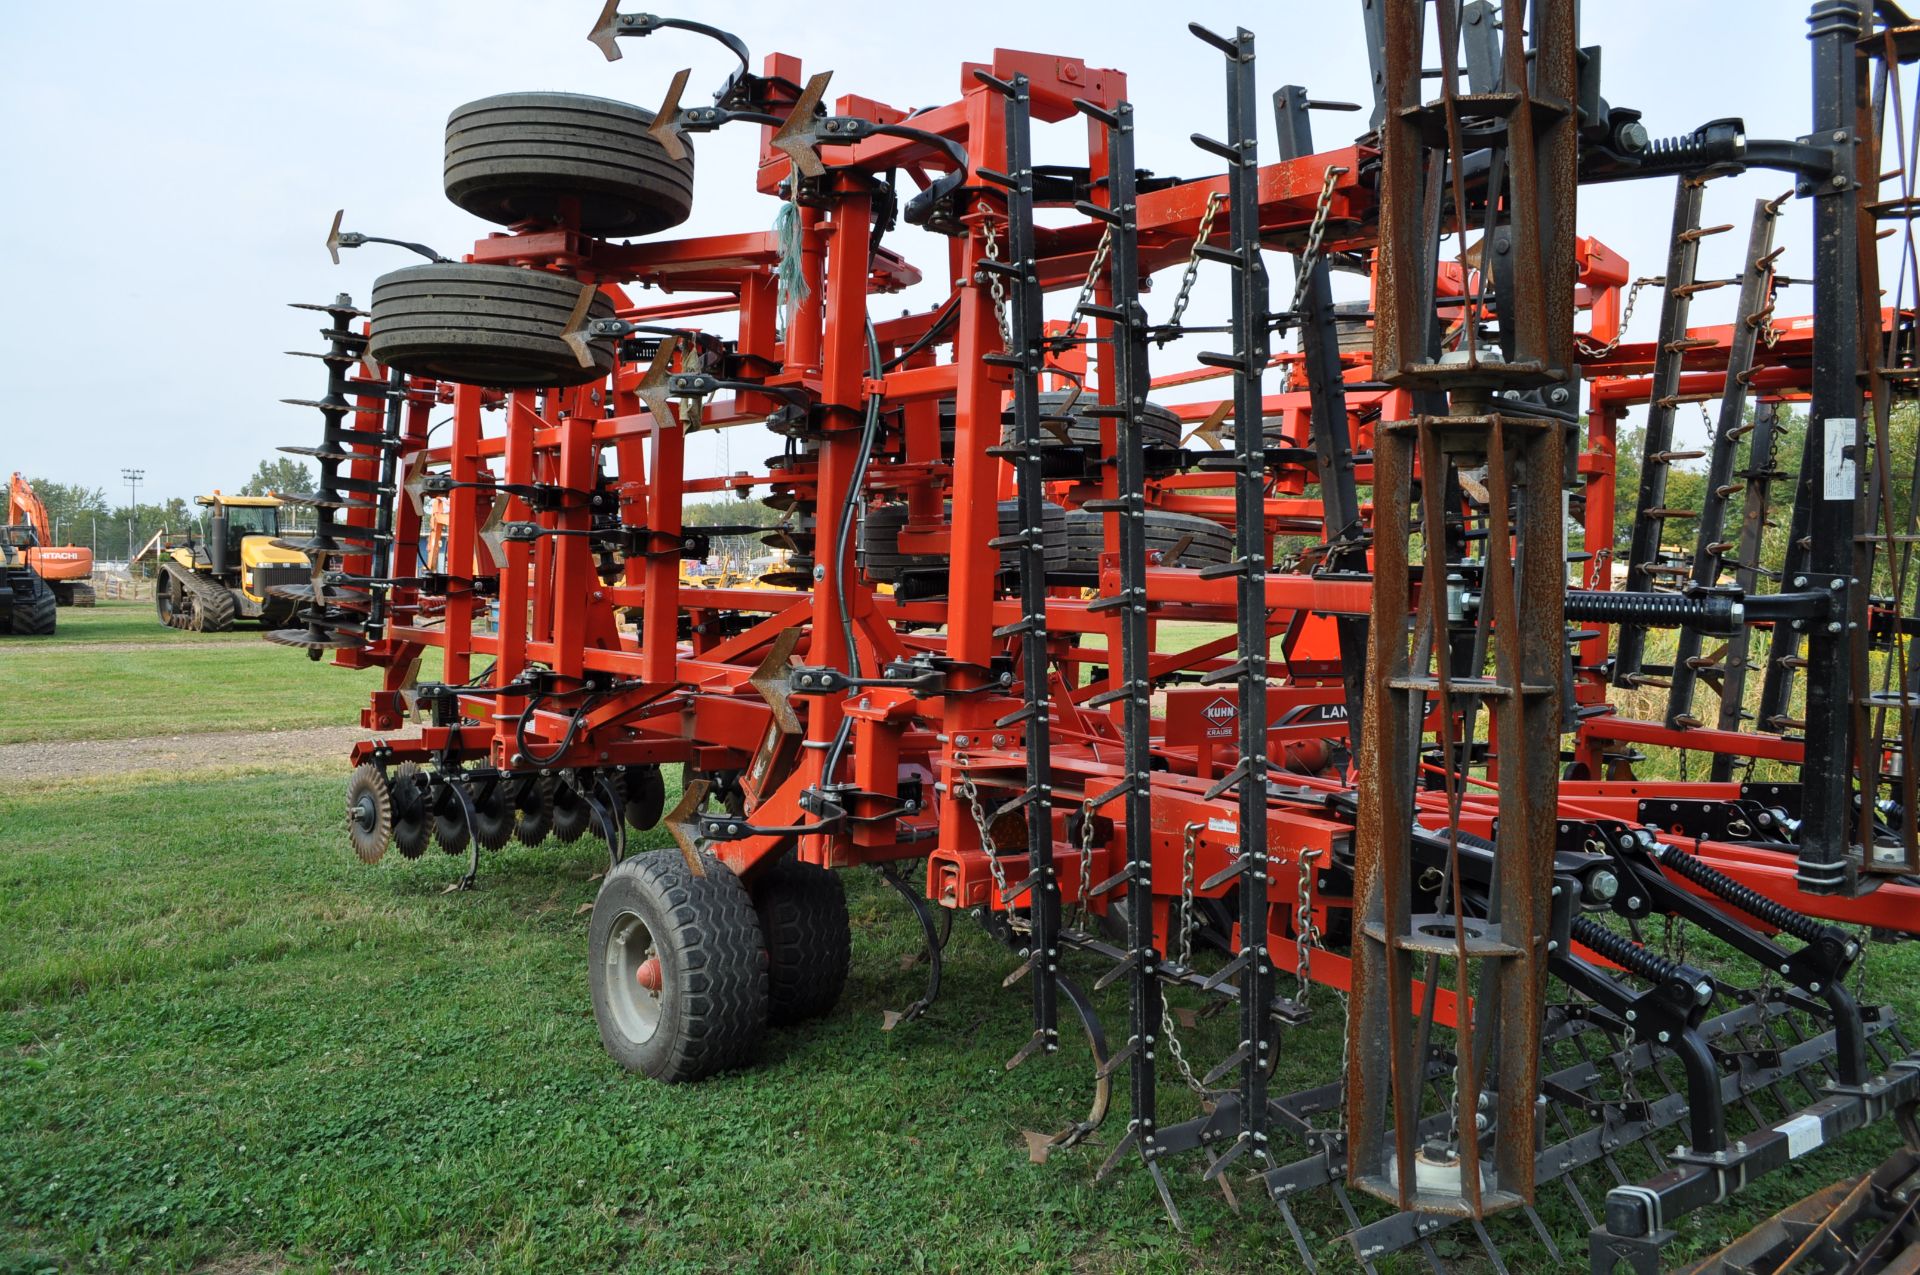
635,980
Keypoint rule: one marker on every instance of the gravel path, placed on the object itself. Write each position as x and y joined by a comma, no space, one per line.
188,754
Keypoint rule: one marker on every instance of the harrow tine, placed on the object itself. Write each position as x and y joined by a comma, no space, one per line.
1127,1143
1492,1249
1159,1177
1300,1244
935,951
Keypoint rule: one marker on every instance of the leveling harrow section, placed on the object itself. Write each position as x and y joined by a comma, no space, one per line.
1401,760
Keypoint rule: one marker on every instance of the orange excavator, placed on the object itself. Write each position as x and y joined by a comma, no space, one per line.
67,569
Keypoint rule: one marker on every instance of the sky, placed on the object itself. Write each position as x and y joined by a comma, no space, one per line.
168,180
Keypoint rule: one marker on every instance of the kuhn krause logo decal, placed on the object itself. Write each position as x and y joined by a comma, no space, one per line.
1221,716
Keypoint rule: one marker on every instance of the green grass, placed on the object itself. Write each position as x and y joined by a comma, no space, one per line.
235,1039
123,621
203,682
225,1044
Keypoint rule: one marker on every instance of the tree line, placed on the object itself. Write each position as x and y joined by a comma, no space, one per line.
83,515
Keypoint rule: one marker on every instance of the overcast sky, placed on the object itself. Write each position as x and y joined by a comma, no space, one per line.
169,173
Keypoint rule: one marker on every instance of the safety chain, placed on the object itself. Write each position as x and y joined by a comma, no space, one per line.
1305,935
1183,940
996,288
1094,267
964,786
1085,893
1316,230
1591,351
1192,272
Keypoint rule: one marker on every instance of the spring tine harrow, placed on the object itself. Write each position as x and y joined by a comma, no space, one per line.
1027,358
1708,551
1648,532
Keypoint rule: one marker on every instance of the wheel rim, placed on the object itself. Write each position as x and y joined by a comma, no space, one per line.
631,963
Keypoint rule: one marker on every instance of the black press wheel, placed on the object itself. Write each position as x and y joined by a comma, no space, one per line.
534,802
678,967
493,818
412,823
571,813
646,796
369,813
484,325
540,156
803,916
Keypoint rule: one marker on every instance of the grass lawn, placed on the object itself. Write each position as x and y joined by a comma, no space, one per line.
61,689
226,1045
124,621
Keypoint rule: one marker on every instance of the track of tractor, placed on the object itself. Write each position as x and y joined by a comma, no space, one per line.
209,607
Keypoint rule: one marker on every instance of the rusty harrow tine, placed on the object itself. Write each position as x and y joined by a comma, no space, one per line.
1708,563
1683,256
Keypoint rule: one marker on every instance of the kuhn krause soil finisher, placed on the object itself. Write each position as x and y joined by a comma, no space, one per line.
1400,770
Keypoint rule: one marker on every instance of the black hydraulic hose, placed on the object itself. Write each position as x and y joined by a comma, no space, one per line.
869,432
942,320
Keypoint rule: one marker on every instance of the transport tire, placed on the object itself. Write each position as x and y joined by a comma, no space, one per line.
1200,541
484,325
879,540
521,157
803,917
678,967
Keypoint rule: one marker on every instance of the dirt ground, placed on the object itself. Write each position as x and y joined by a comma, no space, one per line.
187,754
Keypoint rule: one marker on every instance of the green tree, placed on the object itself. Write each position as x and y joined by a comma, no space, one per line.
72,508
279,475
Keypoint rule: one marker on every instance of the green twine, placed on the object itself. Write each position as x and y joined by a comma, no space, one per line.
786,270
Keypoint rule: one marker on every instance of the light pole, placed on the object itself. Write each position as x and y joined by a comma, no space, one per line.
133,477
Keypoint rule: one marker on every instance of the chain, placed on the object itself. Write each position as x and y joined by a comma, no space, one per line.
1305,936
1316,230
1085,892
996,287
1192,273
1183,940
964,786
1589,350
1094,268
1860,966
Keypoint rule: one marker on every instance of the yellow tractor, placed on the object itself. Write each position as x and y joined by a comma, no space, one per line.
206,583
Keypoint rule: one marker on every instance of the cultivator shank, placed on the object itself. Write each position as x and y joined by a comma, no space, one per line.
1195,695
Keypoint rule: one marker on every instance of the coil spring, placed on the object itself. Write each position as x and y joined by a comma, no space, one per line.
1630,956
1722,886
1603,607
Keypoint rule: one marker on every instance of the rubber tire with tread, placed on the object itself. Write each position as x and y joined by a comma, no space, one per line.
803,917
37,612
713,965
484,325
517,157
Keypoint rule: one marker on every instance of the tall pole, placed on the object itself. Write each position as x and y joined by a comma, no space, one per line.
133,477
